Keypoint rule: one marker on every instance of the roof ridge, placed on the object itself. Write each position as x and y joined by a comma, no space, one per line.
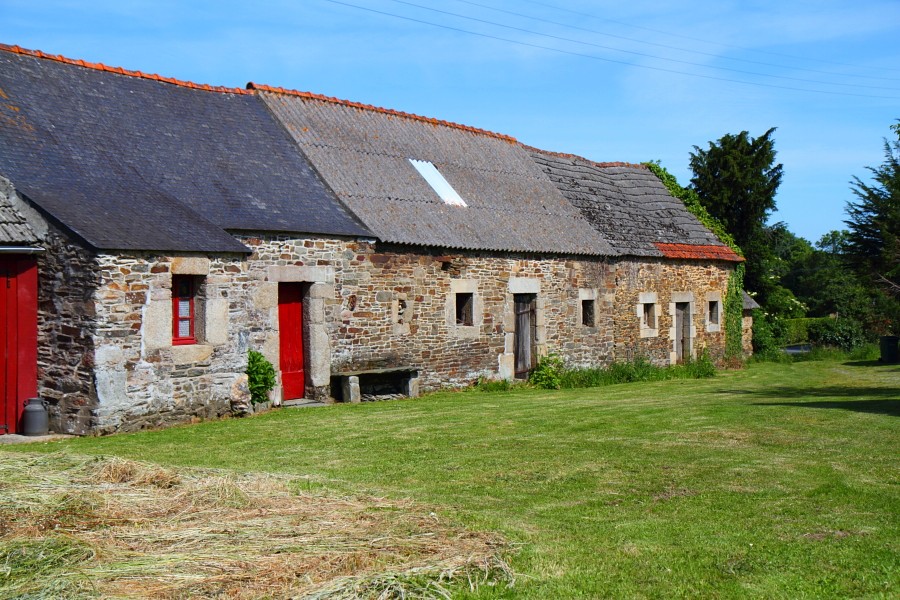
388,111
587,160
121,71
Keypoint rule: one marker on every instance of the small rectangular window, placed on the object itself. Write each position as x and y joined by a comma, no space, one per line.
648,320
465,309
587,313
183,309
713,312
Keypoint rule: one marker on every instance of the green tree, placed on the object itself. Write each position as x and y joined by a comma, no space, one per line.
874,220
736,179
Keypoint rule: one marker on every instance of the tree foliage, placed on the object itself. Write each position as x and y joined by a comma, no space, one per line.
873,244
736,179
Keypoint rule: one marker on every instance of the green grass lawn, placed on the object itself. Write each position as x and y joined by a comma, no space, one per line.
779,481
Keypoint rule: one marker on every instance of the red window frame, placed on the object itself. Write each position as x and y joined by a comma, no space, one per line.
183,288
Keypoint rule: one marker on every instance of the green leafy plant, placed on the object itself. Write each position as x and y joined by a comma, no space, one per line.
261,375
546,375
734,300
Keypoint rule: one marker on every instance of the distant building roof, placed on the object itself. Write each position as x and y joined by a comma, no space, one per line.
128,160
749,302
364,153
631,208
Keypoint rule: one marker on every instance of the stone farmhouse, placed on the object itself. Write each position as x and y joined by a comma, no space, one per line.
153,231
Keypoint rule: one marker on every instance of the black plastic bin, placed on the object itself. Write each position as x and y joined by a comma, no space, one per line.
889,350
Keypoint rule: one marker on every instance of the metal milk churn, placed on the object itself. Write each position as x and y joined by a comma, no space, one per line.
35,420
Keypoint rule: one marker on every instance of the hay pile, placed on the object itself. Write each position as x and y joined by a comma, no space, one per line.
73,526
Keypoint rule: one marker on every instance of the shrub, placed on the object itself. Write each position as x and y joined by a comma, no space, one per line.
546,375
261,376
845,334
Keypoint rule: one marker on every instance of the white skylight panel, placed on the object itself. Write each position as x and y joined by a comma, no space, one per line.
437,182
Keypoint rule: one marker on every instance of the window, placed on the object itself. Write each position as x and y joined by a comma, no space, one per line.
465,309
437,182
648,319
587,313
713,312
648,314
184,289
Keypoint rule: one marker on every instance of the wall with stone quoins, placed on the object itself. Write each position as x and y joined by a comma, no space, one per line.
671,281
107,362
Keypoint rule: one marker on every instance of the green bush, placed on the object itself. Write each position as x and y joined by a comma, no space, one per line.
797,330
845,334
261,376
546,375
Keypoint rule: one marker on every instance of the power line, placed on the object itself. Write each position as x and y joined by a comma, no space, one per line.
667,46
600,58
636,53
694,39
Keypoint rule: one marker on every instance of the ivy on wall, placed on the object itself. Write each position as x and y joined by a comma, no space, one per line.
734,301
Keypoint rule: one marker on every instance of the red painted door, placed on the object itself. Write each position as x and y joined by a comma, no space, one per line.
18,337
290,332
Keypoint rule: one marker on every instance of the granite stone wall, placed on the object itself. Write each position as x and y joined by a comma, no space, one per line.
107,361
663,283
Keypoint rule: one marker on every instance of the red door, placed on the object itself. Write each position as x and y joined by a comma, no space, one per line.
18,337
290,332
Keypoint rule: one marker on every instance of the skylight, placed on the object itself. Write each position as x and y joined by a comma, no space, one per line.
437,182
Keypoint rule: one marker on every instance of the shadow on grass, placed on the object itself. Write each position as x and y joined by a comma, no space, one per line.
871,363
881,407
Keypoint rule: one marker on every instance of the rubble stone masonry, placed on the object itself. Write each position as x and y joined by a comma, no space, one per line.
107,362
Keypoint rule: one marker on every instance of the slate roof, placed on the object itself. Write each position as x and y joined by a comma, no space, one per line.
362,153
14,229
629,206
128,160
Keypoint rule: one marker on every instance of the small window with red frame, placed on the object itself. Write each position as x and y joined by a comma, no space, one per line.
183,316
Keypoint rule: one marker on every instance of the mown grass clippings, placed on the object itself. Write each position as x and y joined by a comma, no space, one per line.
109,527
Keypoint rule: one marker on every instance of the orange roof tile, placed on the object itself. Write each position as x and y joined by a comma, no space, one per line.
120,70
698,252
387,111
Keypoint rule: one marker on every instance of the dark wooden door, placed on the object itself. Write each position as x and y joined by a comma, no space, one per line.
526,333
682,331
18,338
290,332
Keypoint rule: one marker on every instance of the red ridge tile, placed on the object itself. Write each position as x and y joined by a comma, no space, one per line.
698,252
120,70
387,111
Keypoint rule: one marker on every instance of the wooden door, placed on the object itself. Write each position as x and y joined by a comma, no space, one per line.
290,332
526,333
18,337
682,331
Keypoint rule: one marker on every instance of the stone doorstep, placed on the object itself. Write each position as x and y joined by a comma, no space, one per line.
15,438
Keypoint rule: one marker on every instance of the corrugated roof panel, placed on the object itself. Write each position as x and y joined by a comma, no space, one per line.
363,155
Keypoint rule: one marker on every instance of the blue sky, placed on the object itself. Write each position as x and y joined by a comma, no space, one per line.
611,81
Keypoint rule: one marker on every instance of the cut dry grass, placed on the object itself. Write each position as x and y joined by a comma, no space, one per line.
73,526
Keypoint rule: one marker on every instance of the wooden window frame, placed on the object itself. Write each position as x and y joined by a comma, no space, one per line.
177,317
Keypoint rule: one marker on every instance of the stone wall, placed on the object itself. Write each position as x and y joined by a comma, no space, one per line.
108,362
663,282
68,279
388,306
